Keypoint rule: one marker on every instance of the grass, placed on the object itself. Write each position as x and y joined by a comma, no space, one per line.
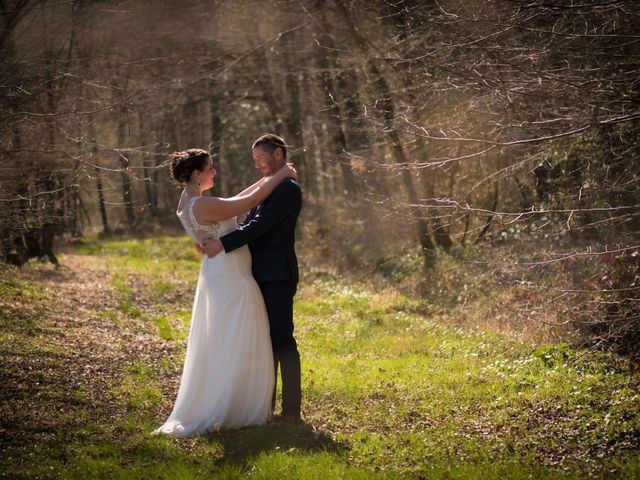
391,390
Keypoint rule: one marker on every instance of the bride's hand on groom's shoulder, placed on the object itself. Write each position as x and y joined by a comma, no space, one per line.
290,170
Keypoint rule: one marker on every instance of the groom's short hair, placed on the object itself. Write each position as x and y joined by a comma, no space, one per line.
270,142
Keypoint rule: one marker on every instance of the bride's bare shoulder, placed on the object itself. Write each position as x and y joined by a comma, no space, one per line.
205,204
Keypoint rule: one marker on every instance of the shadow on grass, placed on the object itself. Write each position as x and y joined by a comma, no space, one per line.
240,446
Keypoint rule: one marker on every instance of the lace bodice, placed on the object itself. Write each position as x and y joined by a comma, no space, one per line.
199,231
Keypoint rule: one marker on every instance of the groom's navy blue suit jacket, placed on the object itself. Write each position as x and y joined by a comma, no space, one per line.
269,230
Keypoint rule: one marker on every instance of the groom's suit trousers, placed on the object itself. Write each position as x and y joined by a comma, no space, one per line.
278,298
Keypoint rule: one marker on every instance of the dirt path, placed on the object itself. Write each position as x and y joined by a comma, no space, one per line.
61,355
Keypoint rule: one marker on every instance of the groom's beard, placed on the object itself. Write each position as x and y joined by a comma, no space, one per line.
273,167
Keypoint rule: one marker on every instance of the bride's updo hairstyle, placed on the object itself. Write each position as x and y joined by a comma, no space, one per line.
184,163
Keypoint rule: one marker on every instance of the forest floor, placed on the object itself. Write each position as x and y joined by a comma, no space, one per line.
91,357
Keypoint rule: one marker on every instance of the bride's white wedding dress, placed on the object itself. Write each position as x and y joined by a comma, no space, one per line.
228,375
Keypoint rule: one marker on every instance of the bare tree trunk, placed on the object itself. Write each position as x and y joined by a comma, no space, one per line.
220,188
386,99
309,163
169,192
327,64
106,230
489,221
293,121
147,168
125,171
149,186
266,85
46,216
441,229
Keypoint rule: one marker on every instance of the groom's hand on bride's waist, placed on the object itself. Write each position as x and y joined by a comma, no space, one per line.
212,247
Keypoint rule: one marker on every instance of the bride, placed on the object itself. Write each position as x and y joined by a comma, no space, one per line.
228,375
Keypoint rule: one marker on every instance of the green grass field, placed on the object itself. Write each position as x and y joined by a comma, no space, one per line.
92,356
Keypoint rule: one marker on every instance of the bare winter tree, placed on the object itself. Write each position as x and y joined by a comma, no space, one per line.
439,128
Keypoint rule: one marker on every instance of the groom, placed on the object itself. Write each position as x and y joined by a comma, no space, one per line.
269,230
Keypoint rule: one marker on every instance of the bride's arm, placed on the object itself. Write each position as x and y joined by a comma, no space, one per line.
247,191
252,188
214,209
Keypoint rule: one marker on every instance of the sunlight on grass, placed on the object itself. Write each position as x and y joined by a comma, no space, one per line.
164,328
158,255
112,316
319,466
388,392
173,326
11,285
402,387
129,308
161,287
137,390
119,282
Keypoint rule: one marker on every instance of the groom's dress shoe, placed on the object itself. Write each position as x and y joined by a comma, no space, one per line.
289,419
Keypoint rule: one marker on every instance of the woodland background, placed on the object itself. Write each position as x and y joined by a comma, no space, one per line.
452,149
